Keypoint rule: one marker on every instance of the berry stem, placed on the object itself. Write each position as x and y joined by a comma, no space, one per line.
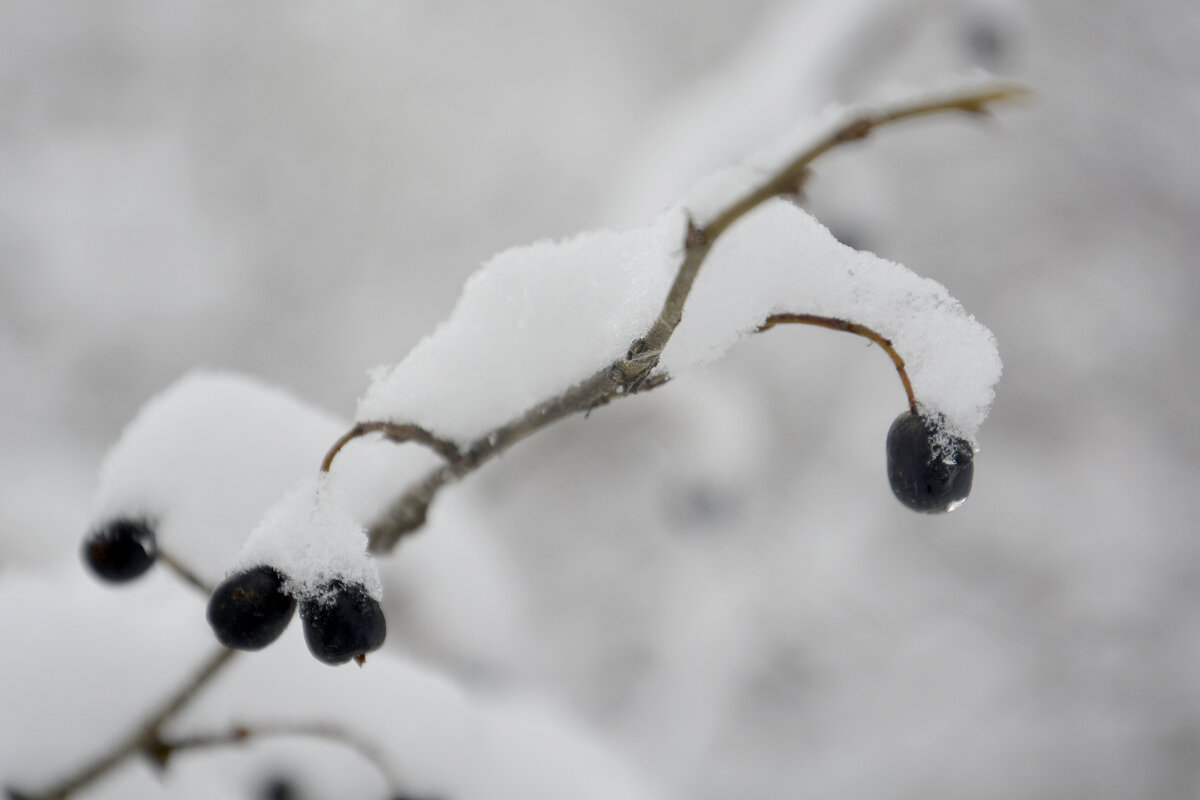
397,433
188,575
836,324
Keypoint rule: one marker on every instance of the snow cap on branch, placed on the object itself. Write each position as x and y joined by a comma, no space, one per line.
531,322
780,259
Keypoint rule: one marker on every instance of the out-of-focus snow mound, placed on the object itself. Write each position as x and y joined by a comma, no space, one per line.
101,660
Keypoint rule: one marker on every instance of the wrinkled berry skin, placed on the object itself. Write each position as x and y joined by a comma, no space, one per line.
919,480
121,549
342,623
249,610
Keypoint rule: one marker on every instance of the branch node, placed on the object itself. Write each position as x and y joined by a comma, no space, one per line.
157,753
856,130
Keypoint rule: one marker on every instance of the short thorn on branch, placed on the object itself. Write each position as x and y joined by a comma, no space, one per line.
836,324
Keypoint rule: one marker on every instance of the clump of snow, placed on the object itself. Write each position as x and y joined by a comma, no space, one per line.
312,538
780,259
531,322
536,320
204,459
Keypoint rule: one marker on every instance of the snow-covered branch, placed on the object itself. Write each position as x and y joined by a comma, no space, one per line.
394,392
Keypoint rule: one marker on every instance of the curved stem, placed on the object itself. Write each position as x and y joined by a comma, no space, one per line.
397,433
849,327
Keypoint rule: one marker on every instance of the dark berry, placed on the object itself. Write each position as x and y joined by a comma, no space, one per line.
121,549
249,610
929,469
342,622
279,788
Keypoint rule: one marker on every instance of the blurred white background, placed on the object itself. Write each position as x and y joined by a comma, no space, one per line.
718,577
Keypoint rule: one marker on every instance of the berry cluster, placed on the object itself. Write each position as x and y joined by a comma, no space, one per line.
930,470
251,608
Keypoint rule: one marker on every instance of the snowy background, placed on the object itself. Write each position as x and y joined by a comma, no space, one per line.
706,592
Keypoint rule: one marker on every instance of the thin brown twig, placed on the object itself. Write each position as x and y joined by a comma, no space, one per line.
185,572
849,327
165,748
396,433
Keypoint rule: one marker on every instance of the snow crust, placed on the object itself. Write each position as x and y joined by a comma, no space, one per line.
311,537
206,458
531,322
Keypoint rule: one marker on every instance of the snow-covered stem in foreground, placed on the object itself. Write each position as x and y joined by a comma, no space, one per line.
144,740
631,374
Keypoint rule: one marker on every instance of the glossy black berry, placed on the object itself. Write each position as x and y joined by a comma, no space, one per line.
121,549
342,622
929,470
249,610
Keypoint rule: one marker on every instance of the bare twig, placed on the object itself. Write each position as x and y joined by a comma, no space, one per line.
396,433
143,740
165,748
849,327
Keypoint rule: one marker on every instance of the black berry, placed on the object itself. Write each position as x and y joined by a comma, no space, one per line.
121,549
249,610
278,787
929,470
342,622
